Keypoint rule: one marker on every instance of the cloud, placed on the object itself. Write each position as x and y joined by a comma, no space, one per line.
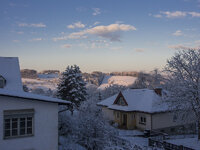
182,47
76,25
66,46
20,32
177,33
97,11
16,41
96,23
36,39
176,14
116,48
158,16
112,31
36,25
194,14
139,50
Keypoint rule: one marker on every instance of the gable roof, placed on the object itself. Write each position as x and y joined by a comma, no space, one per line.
9,69
143,100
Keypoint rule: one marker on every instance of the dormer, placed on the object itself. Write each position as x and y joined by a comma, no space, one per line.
2,82
120,100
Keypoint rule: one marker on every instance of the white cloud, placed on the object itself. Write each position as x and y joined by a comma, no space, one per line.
96,23
111,31
175,14
177,33
139,50
97,11
60,38
66,46
36,39
76,25
20,32
116,48
182,47
16,41
36,25
158,16
194,14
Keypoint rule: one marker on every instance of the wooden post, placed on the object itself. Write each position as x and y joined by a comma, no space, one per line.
181,147
198,129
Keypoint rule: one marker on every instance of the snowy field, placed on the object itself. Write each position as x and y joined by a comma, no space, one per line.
134,137
187,142
119,80
44,83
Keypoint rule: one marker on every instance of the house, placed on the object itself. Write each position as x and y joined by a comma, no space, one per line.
27,121
141,109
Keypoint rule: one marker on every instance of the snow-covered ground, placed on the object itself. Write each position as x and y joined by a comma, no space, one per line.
44,83
134,136
187,142
119,80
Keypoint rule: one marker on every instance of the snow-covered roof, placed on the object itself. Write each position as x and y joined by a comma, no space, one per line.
31,96
143,100
9,69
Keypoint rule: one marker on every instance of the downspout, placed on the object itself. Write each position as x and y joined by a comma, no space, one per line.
151,122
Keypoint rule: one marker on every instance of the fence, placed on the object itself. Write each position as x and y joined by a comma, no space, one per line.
167,146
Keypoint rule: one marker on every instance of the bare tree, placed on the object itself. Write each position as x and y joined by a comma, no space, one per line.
183,84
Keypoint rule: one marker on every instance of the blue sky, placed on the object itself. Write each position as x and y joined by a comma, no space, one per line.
103,35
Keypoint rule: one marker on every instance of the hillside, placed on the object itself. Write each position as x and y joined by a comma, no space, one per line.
118,80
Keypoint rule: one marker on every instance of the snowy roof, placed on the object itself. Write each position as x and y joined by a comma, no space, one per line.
143,100
31,96
9,69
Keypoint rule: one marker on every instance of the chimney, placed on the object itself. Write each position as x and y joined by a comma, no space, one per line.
158,91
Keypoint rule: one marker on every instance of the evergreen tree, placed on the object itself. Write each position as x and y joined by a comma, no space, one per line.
71,86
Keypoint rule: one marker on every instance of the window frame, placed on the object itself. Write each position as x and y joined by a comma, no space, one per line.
18,114
142,120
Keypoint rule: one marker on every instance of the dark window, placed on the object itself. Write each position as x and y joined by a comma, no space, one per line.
142,120
17,125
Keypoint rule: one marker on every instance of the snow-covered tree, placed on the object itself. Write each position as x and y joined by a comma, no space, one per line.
71,86
89,129
148,80
112,90
183,84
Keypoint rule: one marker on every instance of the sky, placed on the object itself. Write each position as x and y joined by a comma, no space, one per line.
97,35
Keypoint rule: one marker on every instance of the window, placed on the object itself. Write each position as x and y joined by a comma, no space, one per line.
18,123
174,118
2,82
142,120
117,114
121,101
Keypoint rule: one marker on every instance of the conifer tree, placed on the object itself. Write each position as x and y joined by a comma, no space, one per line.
71,86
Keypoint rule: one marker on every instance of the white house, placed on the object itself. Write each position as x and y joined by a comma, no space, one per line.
27,121
141,109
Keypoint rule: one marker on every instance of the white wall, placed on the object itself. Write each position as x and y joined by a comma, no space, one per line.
164,120
45,125
146,126
108,113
